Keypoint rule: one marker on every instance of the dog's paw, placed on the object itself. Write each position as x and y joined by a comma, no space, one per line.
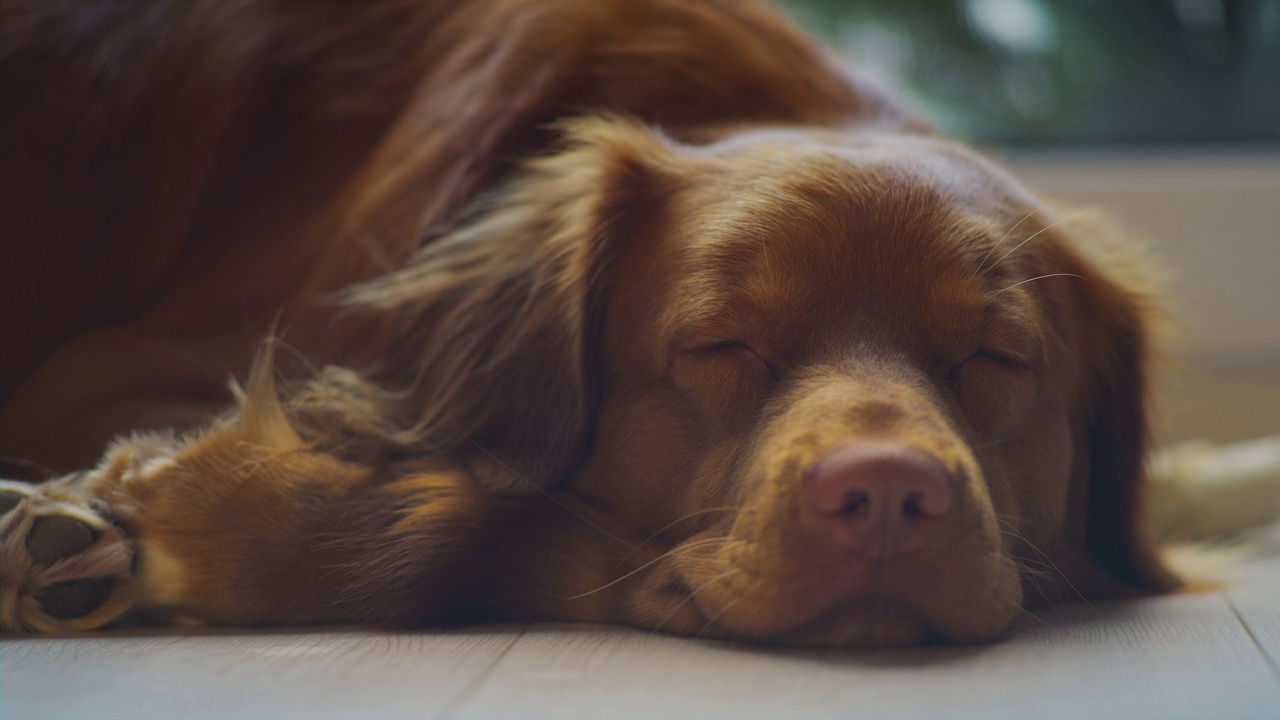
64,564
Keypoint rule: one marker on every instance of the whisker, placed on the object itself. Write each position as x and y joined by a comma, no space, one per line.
719,614
999,242
1033,236
684,548
1050,563
585,520
693,593
679,549
1037,618
1041,277
712,620
1035,576
1028,565
673,523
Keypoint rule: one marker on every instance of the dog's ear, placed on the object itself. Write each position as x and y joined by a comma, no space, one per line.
1117,318
497,317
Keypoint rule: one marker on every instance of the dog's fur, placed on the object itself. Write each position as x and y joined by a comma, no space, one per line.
574,295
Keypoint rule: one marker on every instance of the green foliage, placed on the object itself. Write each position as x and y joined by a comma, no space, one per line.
1047,72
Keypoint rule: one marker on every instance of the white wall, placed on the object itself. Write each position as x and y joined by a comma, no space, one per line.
1215,219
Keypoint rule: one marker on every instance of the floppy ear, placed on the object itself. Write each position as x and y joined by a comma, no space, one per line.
497,317
1117,315
477,87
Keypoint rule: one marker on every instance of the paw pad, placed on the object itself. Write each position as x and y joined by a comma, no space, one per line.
75,598
56,537
62,563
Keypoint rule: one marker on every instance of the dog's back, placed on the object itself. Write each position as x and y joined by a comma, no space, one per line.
180,176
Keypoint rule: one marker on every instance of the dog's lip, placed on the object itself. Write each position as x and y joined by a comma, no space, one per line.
877,621
875,618
879,605
865,622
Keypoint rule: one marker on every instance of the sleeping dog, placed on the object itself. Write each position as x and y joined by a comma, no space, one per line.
638,311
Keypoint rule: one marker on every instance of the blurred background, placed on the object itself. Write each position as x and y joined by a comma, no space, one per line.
1164,113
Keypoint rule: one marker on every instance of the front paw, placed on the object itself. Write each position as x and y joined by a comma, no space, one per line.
64,565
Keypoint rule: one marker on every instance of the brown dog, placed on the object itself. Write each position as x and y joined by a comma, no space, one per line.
638,311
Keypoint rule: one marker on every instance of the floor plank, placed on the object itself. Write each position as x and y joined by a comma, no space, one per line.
1179,657
1191,656
1255,596
321,674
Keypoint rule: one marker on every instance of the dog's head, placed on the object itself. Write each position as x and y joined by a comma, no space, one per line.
837,388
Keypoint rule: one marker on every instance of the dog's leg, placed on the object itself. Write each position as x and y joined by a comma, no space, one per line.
239,524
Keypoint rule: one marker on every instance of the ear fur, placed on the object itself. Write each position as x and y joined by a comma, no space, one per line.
486,80
503,308
1118,318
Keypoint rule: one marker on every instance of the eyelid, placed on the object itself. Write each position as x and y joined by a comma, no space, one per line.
1012,338
1007,358
719,346
714,346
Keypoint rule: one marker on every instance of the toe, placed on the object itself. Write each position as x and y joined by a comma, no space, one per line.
55,537
75,598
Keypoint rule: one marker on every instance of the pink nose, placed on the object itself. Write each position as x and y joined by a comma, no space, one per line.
879,499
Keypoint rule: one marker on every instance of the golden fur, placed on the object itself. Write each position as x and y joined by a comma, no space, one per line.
574,296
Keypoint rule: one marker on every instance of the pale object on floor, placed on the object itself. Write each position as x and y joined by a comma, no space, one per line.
1201,490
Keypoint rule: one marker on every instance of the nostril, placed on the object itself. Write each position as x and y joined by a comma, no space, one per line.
913,505
855,501
879,498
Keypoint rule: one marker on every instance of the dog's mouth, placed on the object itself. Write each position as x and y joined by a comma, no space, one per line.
880,622
752,592
877,620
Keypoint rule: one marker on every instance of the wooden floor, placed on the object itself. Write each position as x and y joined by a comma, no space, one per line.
1214,655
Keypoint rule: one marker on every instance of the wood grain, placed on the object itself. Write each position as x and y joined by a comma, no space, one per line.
1255,597
1190,656
322,674
1171,658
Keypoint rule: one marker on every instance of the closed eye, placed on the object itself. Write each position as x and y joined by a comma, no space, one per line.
729,348
1004,360
729,379
994,386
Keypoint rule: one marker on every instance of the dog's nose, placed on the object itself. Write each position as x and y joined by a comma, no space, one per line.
880,499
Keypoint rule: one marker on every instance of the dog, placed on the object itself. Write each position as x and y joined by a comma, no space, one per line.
646,312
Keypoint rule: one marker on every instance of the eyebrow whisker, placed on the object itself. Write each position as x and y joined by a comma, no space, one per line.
1041,277
997,244
1033,236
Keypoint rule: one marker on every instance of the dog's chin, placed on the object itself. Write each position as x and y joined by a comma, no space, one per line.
910,607
854,626
864,623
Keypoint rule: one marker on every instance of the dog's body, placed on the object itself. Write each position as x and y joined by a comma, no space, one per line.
639,311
